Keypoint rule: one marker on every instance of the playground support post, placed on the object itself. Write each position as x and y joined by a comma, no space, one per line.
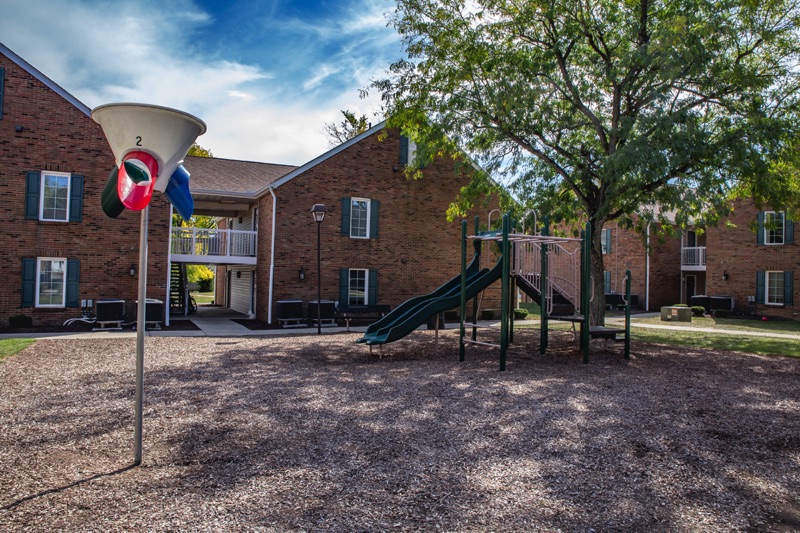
477,244
543,340
463,311
504,294
140,327
586,272
627,314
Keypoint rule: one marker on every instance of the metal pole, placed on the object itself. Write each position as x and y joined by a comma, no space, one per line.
319,282
140,327
463,306
504,294
627,314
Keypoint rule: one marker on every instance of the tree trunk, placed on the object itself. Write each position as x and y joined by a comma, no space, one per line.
597,305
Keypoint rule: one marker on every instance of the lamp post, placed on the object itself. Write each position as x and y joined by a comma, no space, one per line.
318,212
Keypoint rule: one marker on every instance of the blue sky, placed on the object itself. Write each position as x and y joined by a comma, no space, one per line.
264,75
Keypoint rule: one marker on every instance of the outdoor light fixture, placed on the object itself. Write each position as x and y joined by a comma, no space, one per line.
725,276
318,212
133,271
301,274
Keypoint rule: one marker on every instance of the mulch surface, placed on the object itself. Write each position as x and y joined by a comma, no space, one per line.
309,433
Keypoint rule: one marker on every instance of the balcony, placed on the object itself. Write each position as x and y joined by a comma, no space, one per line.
213,246
693,258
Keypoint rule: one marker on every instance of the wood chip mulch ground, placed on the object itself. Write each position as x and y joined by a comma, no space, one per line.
310,433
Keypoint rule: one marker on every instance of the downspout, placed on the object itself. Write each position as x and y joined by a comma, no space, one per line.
272,256
647,272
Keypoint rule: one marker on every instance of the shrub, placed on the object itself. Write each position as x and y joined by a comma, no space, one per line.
721,313
520,314
20,321
487,314
698,310
680,305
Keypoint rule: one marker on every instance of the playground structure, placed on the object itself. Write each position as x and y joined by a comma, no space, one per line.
554,271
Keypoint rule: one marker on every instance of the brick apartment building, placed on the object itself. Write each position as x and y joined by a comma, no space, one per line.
58,246
385,238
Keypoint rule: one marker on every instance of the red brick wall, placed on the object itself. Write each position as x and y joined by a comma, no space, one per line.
734,250
55,132
417,249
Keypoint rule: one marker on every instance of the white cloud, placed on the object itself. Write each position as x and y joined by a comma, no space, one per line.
106,51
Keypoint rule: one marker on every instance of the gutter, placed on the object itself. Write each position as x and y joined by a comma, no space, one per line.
272,256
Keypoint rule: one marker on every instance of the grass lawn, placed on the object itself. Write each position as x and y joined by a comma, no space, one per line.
203,298
718,341
777,326
9,347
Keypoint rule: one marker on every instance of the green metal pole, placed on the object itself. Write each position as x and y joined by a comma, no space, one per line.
504,296
586,262
544,325
463,312
478,245
627,314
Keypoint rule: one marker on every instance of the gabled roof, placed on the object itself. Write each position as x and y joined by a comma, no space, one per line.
30,69
210,175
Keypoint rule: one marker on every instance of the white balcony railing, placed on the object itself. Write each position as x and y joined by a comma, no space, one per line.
693,257
214,245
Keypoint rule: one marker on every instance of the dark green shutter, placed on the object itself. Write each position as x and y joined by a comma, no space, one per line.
760,287
33,184
374,215
344,286
76,198
2,86
788,288
403,150
73,281
372,292
788,232
607,281
346,216
28,282
760,231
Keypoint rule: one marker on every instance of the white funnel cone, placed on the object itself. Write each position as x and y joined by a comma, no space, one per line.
164,132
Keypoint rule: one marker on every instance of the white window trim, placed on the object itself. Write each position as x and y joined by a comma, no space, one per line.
369,215
41,194
766,288
366,283
38,279
767,229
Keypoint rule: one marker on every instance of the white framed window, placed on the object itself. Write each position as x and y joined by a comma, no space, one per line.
357,287
359,218
51,281
775,293
774,227
605,241
54,200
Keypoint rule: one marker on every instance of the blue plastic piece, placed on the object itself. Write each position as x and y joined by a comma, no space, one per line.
178,192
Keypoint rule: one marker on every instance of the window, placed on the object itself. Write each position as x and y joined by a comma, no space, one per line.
359,218
605,241
357,287
773,228
51,282
775,288
55,196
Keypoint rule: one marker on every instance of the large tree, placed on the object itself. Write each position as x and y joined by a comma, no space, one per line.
607,110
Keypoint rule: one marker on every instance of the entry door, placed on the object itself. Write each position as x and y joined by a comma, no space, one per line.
691,284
